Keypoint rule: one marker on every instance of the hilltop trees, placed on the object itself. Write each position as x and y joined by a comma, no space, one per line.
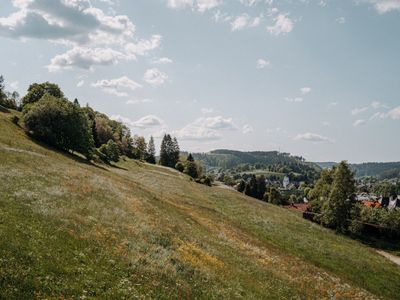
110,151
169,152
37,90
59,123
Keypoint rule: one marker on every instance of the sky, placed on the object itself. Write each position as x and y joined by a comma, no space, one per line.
316,78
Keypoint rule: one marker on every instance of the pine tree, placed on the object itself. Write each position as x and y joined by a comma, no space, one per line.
190,157
336,211
151,151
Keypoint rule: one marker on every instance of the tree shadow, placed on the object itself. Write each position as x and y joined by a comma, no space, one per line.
4,110
66,154
380,244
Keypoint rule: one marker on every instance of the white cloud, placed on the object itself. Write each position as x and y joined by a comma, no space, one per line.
359,123
80,83
85,58
341,20
383,6
180,4
294,100
359,110
203,5
145,122
244,21
117,86
155,77
283,25
137,101
65,21
199,5
207,110
378,115
378,105
394,113
142,47
206,128
247,129
312,137
262,63
162,61
14,85
94,37
305,90
249,2
240,22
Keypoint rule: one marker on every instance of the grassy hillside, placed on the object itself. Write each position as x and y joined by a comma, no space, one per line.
69,229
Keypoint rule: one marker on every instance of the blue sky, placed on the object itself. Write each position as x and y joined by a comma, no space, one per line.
314,78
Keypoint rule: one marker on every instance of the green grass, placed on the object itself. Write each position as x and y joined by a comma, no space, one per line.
71,229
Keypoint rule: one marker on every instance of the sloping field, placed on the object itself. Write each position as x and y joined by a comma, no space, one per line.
69,229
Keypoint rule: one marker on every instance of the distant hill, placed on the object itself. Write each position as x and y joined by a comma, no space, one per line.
382,170
227,159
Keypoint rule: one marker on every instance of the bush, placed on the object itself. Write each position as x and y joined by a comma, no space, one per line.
15,120
109,152
59,123
191,169
180,166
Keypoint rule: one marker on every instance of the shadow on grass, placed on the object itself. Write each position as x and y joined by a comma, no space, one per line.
4,110
69,155
380,244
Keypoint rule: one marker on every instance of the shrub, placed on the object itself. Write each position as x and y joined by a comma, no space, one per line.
109,152
180,166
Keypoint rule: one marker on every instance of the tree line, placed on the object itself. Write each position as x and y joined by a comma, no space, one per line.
48,116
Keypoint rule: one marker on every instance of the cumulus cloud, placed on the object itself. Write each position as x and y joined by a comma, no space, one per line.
262,63
383,6
162,61
359,123
312,137
155,77
85,58
246,129
341,20
249,2
117,86
145,122
207,110
294,100
359,110
394,113
94,37
209,128
199,5
283,25
245,21
305,90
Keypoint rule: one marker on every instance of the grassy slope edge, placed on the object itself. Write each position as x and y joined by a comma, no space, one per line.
71,229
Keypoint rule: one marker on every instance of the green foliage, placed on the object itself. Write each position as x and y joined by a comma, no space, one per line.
169,152
241,186
7,99
191,169
59,123
274,196
139,147
109,151
151,152
37,90
255,187
336,211
180,166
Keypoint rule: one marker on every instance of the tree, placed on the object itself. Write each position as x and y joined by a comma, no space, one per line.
241,186
273,196
190,157
110,151
336,211
7,99
139,147
151,151
180,166
37,90
169,151
59,123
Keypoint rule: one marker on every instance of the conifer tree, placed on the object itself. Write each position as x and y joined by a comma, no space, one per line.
151,151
